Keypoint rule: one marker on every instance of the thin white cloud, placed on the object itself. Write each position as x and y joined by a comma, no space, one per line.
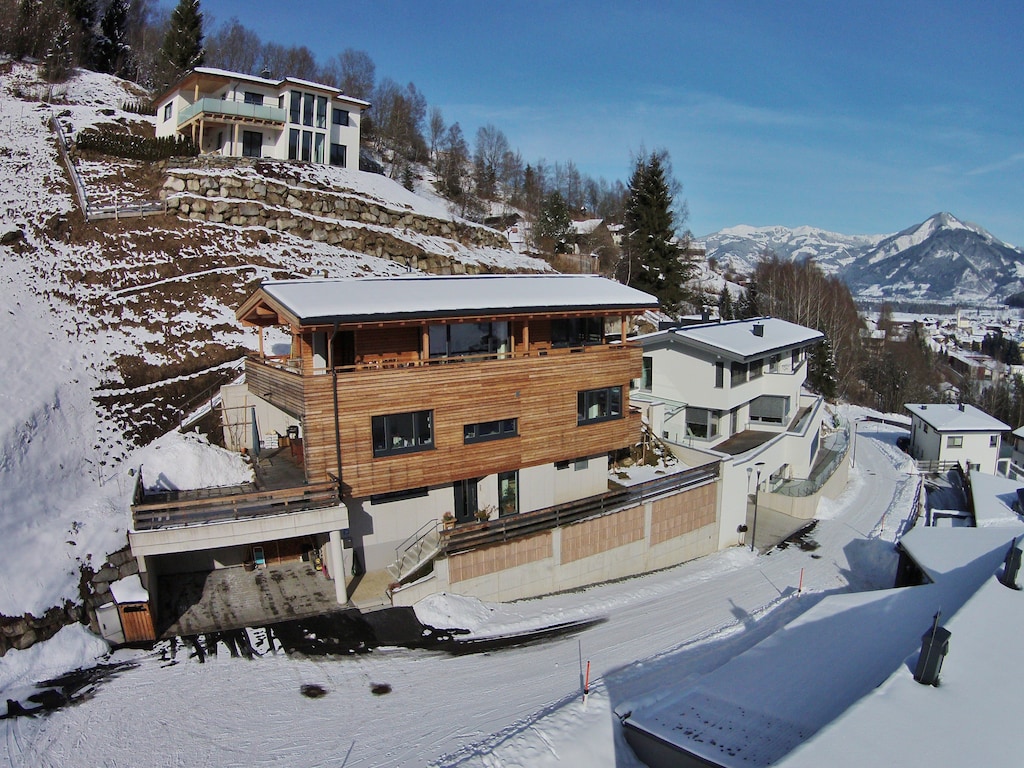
1000,165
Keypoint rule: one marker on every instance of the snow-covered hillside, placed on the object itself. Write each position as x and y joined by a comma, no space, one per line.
114,328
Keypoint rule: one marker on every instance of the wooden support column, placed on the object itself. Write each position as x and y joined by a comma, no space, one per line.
424,343
625,326
261,329
526,337
234,141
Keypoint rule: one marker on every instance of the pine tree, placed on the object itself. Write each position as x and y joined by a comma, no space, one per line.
748,306
183,46
112,51
553,223
725,308
821,370
652,256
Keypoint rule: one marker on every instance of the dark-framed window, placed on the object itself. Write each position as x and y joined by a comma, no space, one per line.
702,423
508,493
397,433
338,152
318,148
254,98
646,373
719,375
484,431
577,331
409,493
457,339
954,441
769,409
321,111
756,368
307,146
738,374
993,441
252,144
295,107
167,111
308,103
293,144
594,405
339,116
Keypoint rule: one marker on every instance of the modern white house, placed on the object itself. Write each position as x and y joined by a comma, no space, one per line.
238,115
955,432
735,391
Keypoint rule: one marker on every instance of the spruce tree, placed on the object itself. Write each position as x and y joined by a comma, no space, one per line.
725,309
553,223
113,52
183,46
653,259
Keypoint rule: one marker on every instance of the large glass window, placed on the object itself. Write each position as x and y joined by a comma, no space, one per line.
738,373
647,373
318,148
701,423
307,145
295,107
483,431
338,154
456,339
594,405
339,116
252,144
770,409
293,144
402,433
321,111
756,369
508,493
577,331
308,100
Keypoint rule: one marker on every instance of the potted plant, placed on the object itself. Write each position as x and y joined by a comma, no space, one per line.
484,514
448,520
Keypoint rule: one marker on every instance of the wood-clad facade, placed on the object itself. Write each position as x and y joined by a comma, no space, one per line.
457,393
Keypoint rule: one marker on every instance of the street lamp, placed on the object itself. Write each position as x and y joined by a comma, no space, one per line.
853,458
757,487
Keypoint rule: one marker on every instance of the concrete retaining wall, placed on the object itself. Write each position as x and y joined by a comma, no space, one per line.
657,534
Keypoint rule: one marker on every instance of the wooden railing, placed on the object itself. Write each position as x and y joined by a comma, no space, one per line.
466,537
148,516
291,365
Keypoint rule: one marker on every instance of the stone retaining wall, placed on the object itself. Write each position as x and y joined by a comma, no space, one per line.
255,195
20,632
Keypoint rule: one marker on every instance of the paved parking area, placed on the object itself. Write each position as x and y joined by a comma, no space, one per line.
232,598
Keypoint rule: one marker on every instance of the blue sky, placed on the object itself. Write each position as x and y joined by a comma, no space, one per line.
859,117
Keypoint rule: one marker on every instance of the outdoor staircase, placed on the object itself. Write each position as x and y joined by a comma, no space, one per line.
421,550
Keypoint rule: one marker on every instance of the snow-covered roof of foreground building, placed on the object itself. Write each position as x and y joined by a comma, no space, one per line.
767,703
994,498
969,719
951,417
319,302
741,339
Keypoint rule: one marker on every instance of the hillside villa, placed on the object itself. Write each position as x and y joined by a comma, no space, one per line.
238,115
733,391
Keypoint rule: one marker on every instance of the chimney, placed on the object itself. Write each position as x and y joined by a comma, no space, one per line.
934,647
758,329
1011,565
265,73
961,407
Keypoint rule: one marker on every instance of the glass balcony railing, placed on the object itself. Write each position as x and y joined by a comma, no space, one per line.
213,106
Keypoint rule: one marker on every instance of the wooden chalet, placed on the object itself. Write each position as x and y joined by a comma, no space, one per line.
425,395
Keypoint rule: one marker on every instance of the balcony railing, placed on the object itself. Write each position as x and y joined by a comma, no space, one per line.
237,109
292,365
182,508
466,537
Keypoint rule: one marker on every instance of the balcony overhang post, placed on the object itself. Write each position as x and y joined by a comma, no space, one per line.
337,419
424,343
625,327
260,329
526,336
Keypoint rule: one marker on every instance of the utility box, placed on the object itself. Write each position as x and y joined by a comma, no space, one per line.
934,647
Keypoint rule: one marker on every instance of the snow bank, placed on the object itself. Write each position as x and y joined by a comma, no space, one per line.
183,461
72,648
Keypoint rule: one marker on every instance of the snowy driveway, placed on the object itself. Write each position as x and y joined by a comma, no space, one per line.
514,707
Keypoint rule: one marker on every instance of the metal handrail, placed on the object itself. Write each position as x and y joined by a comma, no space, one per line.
413,539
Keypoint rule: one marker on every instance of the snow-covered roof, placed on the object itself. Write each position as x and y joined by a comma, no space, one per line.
769,701
314,302
994,498
950,417
227,74
740,338
587,226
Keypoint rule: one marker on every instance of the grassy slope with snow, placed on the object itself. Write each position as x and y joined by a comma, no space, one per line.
111,327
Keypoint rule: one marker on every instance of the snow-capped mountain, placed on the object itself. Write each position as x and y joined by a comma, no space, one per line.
940,259
738,249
